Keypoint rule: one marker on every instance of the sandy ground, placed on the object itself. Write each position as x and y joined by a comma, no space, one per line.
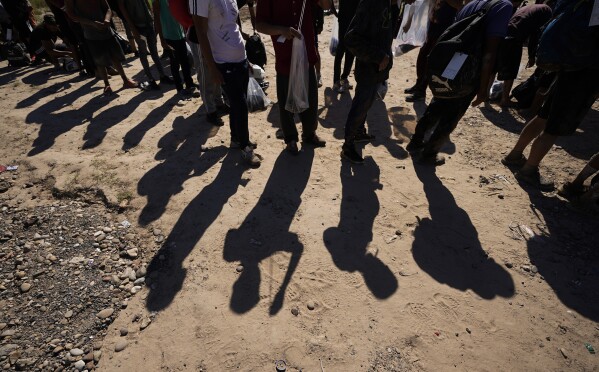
407,267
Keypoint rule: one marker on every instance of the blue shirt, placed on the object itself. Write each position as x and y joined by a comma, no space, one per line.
497,19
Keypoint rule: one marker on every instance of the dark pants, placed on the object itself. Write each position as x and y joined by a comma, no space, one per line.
236,76
434,32
445,114
178,57
363,100
349,59
309,118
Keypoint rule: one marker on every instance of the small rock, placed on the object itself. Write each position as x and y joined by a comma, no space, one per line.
25,287
76,352
509,265
468,330
107,230
97,355
534,269
239,268
79,365
133,252
564,354
135,289
68,314
121,345
295,311
106,313
311,305
124,331
526,268
145,323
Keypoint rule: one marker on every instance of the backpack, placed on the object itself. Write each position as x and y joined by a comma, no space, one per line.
462,40
568,42
255,50
180,11
16,54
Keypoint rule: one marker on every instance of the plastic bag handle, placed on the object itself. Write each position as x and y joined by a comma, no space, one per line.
301,20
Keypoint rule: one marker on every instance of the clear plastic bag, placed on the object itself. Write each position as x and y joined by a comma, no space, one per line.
415,19
297,94
256,98
334,38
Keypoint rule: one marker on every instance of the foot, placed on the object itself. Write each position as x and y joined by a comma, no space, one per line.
112,71
292,148
223,110
514,160
348,152
416,97
251,158
571,190
107,91
432,159
235,144
192,91
415,145
346,84
315,141
413,89
214,119
166,80
338,87
279,134
129,84
533,178
363,136
153,85
319,81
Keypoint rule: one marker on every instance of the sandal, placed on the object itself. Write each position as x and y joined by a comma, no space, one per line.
511,162
130,84
108,91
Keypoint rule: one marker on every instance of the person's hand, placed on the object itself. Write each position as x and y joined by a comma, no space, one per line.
384,63
290,32
480,98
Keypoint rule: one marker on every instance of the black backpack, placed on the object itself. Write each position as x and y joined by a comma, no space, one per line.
466,36
256,52
16,54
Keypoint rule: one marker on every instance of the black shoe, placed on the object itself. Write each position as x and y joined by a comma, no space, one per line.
235,144
534,178
432,159
571,191
214,119
416,97
167,80
363,137
153,85
292,148
315,141
223,110
415,145
414,89
349,152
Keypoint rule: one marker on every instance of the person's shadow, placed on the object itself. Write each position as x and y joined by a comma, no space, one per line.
348,242
167,264
447,247
265,231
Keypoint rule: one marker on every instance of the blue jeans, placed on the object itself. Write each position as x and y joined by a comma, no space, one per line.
363,100
236,76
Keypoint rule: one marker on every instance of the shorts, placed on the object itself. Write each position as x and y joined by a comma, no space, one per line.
508,59
570,99
104,51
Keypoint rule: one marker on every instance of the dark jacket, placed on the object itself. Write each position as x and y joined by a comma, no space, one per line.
369,38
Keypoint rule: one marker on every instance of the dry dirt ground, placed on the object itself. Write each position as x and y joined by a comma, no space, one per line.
389,266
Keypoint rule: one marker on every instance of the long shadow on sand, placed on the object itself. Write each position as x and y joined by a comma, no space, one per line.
447,246
265,231
348,242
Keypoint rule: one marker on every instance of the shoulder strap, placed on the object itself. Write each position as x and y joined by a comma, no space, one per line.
489,5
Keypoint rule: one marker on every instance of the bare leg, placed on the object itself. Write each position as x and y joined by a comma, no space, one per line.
127,83
540,147
591,168
529,133
507,89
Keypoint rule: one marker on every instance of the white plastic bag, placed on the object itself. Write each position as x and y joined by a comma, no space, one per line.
334,38
297,94
415,16
496,90
256,99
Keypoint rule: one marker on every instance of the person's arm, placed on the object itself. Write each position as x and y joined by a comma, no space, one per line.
358,43
456,4
158,24
252,14
49,48
270,29
201,27
130,23
108,15
82,20
488,65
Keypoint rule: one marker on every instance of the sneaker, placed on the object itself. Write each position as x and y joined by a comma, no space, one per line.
167,80
153,85
235,144
315,141
570,190
432,159
348,152
415,145
412,90
193,91
279,134
346,84
214,119
223,110
292,148
534,178
339,87
416,97
363,136
514,161
250,157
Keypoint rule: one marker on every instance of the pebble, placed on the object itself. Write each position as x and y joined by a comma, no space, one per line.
141,272
25,287
145,323
534,269
97,355
468,330
106,313
564,354
311,305
239,268
68,314
133,252
135,289
76,352
121,345
295,311
124,331
79,365
107,230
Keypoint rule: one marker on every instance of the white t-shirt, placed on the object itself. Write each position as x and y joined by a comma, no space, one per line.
223,33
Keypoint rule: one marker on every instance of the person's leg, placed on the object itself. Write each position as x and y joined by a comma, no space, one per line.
150,35
337,63
347,64
429,119
591,168
174,60
181,51
236,78
287,118
361,103
211,93
531,131
309,118
143,56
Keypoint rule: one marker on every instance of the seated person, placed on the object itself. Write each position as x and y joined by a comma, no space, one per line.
44,44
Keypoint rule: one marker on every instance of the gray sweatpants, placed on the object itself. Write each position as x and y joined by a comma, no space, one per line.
212,94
